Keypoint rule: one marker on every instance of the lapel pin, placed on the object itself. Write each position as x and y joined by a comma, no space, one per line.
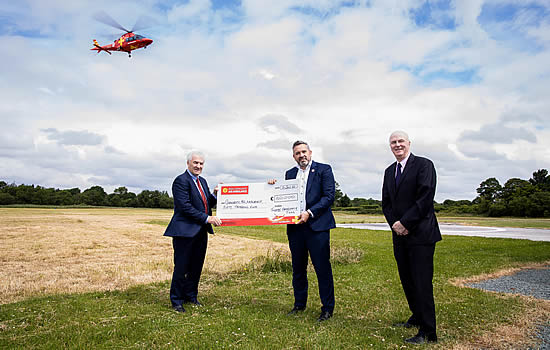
312,170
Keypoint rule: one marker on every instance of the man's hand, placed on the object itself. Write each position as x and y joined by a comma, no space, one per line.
399,229
214,220
271,181
304,217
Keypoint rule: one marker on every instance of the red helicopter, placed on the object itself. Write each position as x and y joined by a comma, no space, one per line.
127,42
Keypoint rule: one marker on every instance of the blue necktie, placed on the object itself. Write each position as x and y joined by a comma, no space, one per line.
398,175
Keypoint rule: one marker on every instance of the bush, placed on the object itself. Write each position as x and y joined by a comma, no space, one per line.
6,199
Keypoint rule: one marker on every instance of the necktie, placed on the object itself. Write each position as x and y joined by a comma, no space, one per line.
398,175
203,196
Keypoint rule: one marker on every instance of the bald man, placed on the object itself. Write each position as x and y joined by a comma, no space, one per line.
407,202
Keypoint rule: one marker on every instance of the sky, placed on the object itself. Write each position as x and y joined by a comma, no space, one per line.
468,80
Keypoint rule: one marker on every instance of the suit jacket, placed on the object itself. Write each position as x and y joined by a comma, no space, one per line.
189,215
320,190
411,202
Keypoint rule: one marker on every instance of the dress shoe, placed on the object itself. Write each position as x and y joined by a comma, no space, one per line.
295,310
194,302
422,338
178,308
325,315
404,324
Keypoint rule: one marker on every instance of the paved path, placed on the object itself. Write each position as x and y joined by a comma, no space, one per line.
479,231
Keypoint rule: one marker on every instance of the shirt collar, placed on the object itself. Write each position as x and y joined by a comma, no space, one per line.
404,161
192,176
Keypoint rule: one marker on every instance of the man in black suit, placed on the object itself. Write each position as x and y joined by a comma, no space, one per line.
311,234
407,201
189,228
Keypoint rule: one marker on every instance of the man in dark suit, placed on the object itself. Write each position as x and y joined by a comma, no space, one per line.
407,201
189,228
311,234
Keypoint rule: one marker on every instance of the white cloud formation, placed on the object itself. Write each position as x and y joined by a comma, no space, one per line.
242,80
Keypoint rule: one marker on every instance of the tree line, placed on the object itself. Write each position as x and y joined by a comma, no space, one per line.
95,195
521,198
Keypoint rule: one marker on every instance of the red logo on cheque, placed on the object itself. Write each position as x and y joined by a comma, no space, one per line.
235,189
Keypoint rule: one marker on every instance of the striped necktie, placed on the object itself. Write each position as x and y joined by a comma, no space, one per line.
203,196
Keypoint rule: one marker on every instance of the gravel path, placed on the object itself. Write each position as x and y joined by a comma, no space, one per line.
533,282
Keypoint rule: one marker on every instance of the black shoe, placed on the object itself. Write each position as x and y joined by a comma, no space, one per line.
193,301
295,310
422,338
404,324
178,308
325,315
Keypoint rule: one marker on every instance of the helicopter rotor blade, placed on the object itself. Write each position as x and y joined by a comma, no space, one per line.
104,18
144,22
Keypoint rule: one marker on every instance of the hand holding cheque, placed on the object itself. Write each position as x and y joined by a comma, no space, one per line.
304,216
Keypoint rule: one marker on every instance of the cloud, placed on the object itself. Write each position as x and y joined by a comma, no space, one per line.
243,80
498,133
281,143
72,137
273,123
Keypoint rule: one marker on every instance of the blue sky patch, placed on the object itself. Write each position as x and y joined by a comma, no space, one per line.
510,12
323,14
429,77
434,14
509,23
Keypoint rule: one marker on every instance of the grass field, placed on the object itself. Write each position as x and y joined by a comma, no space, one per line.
99,278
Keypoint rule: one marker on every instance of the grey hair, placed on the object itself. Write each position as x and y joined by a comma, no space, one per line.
399,133
194,153
298,143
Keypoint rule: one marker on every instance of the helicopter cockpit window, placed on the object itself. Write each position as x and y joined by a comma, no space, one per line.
138,37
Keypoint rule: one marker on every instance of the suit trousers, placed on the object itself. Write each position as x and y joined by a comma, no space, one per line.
416,268
189,254
304,240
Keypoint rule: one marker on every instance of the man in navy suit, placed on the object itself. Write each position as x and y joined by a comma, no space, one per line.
189,228
311,234
407,202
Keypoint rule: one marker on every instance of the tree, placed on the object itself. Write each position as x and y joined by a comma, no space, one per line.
541,180
345,201
540,205
24,194
121,191
6,199
337,194
489,189
94,195
514,188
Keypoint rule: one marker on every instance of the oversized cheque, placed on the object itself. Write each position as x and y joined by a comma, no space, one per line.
245,204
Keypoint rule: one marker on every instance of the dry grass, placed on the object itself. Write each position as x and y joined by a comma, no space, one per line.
463,282
519,334
48,251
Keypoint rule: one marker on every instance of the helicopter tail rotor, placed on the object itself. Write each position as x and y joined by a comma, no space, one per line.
99,48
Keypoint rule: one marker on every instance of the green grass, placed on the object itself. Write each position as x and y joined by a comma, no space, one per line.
246,309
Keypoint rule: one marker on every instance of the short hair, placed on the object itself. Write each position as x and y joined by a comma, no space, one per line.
194,153
399,133
298,143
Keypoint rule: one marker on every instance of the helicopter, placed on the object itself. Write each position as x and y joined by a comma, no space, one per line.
127,42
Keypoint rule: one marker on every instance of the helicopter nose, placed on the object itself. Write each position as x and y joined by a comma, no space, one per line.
148,41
